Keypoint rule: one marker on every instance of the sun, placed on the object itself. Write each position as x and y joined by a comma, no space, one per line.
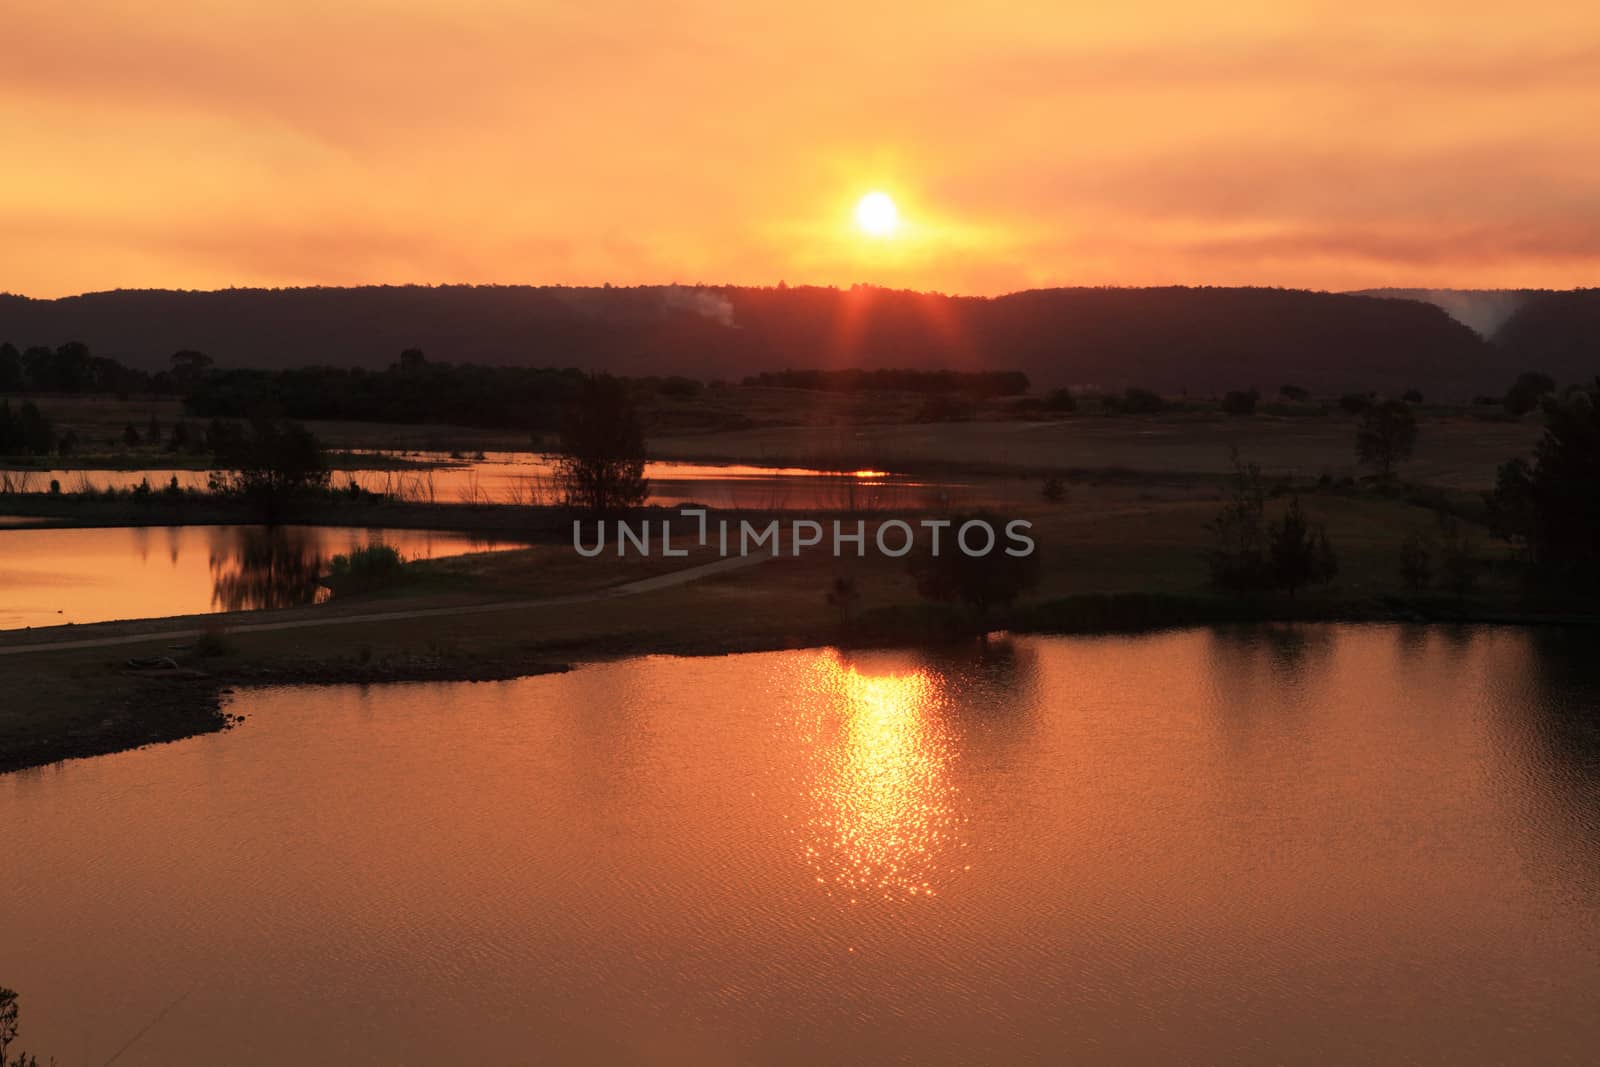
877,215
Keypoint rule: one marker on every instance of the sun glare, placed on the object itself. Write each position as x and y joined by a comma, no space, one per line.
877,215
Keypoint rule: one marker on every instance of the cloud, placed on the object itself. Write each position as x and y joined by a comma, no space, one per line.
425,140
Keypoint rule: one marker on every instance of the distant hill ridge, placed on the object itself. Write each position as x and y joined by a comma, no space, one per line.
1171,339
1485,310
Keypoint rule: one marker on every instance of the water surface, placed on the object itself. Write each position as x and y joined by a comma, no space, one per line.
529,478
51,577
1315,845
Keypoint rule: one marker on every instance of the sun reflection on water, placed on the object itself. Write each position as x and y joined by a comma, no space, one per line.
882,818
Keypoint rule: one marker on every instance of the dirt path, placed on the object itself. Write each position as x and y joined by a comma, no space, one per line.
644,585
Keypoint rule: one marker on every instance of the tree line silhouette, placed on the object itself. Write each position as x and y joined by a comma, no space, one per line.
413,390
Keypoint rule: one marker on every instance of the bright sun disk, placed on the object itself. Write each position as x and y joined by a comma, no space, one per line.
877,215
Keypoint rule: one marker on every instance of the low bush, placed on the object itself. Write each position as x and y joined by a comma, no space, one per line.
374,567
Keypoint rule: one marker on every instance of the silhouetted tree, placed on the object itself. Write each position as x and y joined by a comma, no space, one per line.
25,432
412,360
37,369
189,368
1525,393
1552,507
1386,437
66,369
601,467
1412,396
1299,553
70,368
277,459
981,582
130,435
1295,393
1238,557
10,368
9,1014
521,398
8,1020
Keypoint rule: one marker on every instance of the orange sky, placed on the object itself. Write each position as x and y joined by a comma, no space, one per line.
1330,145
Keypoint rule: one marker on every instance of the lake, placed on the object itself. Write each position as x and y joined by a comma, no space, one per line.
51,577
529,478
1318,844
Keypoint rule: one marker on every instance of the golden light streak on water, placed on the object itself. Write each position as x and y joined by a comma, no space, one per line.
884,818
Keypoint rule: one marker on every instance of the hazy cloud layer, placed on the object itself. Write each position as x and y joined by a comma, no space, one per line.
199,145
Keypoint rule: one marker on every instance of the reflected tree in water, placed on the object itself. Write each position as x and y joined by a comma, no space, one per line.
1566,680
271,567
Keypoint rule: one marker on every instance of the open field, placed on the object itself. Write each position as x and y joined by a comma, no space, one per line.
1456,448
99,421
1454,451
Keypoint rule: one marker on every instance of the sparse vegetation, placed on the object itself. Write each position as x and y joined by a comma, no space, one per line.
9,1028
1249,554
